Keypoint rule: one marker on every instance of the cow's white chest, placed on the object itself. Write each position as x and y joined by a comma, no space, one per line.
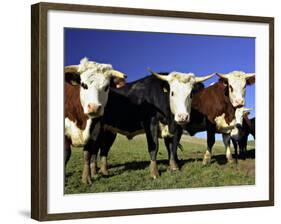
78,137
223,127
164,130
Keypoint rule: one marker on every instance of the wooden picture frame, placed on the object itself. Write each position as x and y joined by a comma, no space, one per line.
39,108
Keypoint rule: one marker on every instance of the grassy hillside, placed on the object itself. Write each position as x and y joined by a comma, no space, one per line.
129,168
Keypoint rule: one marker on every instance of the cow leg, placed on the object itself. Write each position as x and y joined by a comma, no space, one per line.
174,156
67,153
107,141
169,142
243,146
235,150
151,130
226,141
176,144
94,163
94,158
172,144
86,175
67,150
210,142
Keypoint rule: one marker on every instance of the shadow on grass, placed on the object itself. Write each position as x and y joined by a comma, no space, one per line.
140,165
137,165
251,154
221,159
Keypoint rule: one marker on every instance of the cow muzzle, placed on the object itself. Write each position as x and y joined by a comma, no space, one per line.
94,109
182,118
239,126
239,103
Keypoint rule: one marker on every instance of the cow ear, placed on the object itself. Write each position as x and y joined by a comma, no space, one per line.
165,87
117,82
251,80
223,81
72,78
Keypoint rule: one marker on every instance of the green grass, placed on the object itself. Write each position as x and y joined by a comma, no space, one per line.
129,168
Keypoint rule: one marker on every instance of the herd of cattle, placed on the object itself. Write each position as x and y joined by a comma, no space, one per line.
99,104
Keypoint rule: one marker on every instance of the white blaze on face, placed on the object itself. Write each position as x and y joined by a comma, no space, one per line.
94,84
237,87
239,114
181,85
94,92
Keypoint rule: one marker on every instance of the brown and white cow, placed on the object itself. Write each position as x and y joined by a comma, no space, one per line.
235,82
86,94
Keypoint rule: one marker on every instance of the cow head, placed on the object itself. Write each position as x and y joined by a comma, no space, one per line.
94,79
181,85
236,82
239,115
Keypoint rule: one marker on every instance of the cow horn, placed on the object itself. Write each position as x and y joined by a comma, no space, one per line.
162,77
118,74
223,76
71,69
204,78
249,75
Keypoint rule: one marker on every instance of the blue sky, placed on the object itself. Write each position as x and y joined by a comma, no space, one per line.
133,52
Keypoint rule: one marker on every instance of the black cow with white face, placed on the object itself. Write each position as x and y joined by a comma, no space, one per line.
245,127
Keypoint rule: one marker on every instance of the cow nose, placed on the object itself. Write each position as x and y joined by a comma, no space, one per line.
239,126
93,108
183,117
240,102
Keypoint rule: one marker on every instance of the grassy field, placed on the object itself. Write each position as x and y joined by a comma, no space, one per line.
129,168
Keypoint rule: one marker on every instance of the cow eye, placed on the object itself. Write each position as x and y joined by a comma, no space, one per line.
231,88
172,93
106,88
84,85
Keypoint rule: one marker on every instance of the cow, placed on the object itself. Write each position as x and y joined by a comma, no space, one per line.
245,127
153,105
86,90
213,110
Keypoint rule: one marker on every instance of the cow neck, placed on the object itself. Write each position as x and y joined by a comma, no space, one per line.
247,120
147,91
73,109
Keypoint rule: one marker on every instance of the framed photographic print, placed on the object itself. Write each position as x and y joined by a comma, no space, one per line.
139,111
